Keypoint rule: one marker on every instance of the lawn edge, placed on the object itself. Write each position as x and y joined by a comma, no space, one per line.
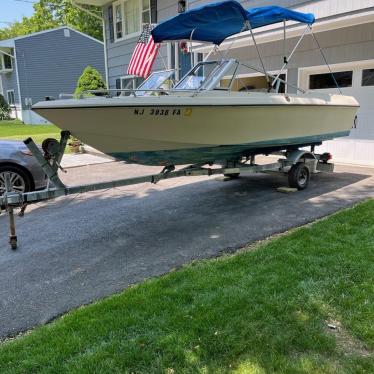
226,253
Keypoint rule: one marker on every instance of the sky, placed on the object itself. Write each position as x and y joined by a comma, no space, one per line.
14,10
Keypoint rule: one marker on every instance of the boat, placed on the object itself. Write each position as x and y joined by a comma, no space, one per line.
203,119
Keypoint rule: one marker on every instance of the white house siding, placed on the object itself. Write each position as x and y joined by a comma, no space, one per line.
252,3
332,8
349,44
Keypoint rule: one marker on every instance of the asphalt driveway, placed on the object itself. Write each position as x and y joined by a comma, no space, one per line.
75,250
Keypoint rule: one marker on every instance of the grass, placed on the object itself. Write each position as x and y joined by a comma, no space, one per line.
262,310
16,130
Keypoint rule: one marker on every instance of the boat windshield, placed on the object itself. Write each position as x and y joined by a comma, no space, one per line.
157,80
206,75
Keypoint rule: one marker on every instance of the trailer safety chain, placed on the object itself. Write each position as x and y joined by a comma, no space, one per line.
164,173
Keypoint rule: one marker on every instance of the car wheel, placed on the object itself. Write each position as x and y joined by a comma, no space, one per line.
20,181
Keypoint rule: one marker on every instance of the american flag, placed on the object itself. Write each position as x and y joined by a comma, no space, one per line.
144,54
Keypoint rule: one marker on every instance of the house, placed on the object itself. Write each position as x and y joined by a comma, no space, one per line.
45,63
344,29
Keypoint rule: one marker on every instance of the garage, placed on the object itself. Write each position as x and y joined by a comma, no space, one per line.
356,79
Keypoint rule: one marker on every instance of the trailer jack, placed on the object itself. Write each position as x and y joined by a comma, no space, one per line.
10,211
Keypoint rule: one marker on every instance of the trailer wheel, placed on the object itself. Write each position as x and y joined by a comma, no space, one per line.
299,176
232,176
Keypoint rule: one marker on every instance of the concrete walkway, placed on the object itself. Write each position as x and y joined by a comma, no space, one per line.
83,159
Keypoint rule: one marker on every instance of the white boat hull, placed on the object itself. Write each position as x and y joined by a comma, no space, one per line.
133,128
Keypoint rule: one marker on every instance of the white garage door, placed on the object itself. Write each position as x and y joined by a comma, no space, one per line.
355,79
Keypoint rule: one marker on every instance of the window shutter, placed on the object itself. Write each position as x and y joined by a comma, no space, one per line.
153,11
111,26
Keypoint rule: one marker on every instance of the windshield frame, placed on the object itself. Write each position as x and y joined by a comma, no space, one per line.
213,79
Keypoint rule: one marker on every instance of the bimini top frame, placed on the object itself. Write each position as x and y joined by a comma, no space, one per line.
214,23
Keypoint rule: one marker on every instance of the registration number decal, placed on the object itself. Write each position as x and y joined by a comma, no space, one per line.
163,112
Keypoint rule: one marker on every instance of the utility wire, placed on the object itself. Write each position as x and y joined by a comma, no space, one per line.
26,1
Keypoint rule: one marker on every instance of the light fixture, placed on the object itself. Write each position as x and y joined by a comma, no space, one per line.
181,6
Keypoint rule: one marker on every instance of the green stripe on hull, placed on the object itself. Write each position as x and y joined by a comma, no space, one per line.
217,153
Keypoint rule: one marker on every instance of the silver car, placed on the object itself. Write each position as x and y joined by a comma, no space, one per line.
25,173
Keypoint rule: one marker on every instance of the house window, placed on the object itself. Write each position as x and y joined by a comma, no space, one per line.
128,83
146,11
6,62
129,17
118,23
367,77
321,81
10,97
132,16
8,65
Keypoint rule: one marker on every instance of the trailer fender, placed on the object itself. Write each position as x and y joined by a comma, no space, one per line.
307,157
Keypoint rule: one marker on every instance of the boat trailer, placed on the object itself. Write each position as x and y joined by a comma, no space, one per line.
298,163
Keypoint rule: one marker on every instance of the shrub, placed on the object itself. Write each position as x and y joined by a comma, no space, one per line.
4,109
89,80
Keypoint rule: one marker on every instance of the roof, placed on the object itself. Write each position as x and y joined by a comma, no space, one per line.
93,2
215,22
9,43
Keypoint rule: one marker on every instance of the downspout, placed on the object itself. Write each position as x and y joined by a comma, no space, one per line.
102,19
18,85
105,52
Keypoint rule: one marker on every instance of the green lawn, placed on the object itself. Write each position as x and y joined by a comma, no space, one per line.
262,310
16,130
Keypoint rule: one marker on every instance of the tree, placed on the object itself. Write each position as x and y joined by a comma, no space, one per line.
91,79
4,109
53,13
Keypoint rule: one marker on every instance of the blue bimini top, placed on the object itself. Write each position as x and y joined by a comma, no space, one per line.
215,22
